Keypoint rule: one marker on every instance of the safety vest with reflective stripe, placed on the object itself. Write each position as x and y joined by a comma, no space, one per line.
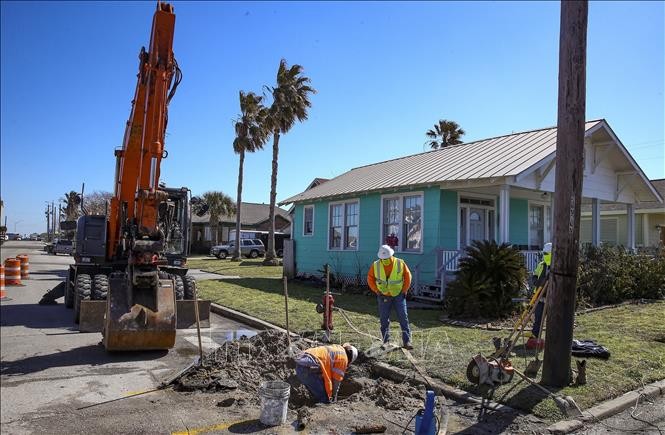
391,285
543,265
333,362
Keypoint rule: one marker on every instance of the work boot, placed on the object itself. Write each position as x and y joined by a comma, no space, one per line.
408,346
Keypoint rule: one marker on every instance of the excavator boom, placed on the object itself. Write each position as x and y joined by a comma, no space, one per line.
141,312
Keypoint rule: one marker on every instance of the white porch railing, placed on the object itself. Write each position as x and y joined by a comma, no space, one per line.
531,260
450,260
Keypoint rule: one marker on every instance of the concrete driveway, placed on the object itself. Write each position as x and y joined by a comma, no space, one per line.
50,373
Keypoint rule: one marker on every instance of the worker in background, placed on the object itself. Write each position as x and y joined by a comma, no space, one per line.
390,278
539,278
322,369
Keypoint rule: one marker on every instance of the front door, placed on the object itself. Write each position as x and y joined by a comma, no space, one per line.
477,224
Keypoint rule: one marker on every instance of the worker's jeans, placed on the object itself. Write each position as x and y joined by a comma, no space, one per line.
386,304
313,381
537,319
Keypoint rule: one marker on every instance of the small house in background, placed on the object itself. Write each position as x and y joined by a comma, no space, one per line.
434,204
254,217
649,222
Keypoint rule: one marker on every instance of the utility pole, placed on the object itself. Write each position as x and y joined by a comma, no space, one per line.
53,217
567,192
48,223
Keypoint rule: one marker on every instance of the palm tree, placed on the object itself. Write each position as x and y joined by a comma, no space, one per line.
217,204
251,135
443,134
72,201
290,104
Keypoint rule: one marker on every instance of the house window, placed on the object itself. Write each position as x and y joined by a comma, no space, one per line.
207,233
477,220
308,221
344,226
540,226
413,207
391,217
403,218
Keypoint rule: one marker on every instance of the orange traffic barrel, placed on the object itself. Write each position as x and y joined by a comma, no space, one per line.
12,271
25,265
3,295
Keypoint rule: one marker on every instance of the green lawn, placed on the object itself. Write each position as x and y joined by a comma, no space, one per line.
245,268
634,335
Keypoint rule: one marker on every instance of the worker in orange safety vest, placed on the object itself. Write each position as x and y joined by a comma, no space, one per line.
322,369
390,278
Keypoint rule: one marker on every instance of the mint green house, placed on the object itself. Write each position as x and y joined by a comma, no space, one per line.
437,202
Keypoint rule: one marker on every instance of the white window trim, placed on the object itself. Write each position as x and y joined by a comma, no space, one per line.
303,220
547,234
401,196
342,248
460,206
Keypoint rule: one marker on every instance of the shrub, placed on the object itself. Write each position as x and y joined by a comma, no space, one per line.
608,275
489,277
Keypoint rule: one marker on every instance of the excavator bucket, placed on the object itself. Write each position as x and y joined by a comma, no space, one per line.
139,318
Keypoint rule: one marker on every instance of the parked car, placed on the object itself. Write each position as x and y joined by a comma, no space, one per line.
250,248
62,246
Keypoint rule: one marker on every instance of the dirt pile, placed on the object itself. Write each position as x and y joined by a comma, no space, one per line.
240,366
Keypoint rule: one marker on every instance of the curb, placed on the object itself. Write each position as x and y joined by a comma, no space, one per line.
608,408
394,373
399,375
244,318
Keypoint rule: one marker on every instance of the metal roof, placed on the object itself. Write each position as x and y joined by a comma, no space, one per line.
500,156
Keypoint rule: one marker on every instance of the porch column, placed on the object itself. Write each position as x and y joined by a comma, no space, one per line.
504,214
645,229
630,235
595,222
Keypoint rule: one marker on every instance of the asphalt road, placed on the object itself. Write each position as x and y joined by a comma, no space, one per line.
647,418
49,372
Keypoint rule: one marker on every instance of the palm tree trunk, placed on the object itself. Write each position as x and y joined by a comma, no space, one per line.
270,251
236,253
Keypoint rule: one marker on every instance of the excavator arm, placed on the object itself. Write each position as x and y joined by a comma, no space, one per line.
141,310
134,207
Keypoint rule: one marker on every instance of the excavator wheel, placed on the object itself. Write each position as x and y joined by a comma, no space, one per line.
100,287
81,293
179,287
190,286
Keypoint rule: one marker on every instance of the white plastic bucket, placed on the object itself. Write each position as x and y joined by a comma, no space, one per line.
274,397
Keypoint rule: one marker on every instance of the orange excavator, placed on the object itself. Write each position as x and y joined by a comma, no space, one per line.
133,257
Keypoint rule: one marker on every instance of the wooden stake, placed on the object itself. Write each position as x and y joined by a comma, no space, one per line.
286,307
198,324
325,306
567,192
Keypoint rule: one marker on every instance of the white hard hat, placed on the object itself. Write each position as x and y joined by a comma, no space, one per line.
547,249
385,252
354,351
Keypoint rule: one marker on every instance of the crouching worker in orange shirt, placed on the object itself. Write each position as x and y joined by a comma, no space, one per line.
322,369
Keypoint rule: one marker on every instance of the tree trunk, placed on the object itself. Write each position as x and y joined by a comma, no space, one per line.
270,250
236,252
567,193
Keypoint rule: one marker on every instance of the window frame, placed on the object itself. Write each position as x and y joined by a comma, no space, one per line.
342,248
400,197
547,218
305,207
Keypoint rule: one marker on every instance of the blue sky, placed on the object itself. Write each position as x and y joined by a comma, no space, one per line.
385,73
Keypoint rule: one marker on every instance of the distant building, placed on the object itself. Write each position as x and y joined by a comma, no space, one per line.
252,217
649,222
